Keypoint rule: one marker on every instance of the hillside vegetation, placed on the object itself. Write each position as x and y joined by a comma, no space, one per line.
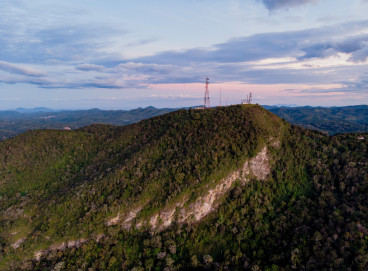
227,188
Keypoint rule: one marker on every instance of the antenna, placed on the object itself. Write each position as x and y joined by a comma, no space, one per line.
206,103
248,100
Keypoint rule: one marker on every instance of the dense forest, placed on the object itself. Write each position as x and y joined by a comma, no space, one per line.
66,197
332,120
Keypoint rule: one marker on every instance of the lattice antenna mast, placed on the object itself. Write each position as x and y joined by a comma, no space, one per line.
249,98
206,103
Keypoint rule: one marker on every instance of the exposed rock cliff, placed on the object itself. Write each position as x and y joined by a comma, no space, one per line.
257,166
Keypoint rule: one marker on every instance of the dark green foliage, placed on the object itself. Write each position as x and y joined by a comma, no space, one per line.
310,214
62,185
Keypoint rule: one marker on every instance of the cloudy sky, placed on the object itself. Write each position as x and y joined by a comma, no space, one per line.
125,54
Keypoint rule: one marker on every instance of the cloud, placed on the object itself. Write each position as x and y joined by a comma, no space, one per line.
90,67
47,83
39,81
38,32
68,43
19,69
360,55
357,46
303,44
360,84
114,79
181,96
292,57
141,42
281,4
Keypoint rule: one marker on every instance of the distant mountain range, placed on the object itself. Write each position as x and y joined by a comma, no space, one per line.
21,120
33,110
331,120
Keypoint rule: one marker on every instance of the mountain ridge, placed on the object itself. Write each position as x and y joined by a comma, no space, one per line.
168,127
332,120
86,198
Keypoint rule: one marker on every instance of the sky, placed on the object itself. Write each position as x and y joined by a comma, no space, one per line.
123,54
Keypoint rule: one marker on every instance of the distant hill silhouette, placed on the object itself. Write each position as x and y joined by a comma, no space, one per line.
332,120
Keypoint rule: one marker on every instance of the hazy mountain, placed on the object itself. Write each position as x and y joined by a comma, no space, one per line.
34,110
13,122
268,107
227,188
332,120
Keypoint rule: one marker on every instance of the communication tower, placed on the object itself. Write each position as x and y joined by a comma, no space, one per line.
248,100
206,103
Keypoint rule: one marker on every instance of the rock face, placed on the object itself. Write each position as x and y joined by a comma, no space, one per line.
257,166
18,243
61,246
113,221
129,218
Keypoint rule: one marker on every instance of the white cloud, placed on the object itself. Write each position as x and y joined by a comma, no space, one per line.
21,69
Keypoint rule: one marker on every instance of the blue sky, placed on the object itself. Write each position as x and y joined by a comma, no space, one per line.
125,54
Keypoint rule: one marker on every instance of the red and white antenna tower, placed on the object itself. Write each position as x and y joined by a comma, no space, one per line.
206,103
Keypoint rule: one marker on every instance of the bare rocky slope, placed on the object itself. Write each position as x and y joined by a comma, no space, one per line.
183,212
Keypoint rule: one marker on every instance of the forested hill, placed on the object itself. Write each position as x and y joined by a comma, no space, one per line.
331,120
228,188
